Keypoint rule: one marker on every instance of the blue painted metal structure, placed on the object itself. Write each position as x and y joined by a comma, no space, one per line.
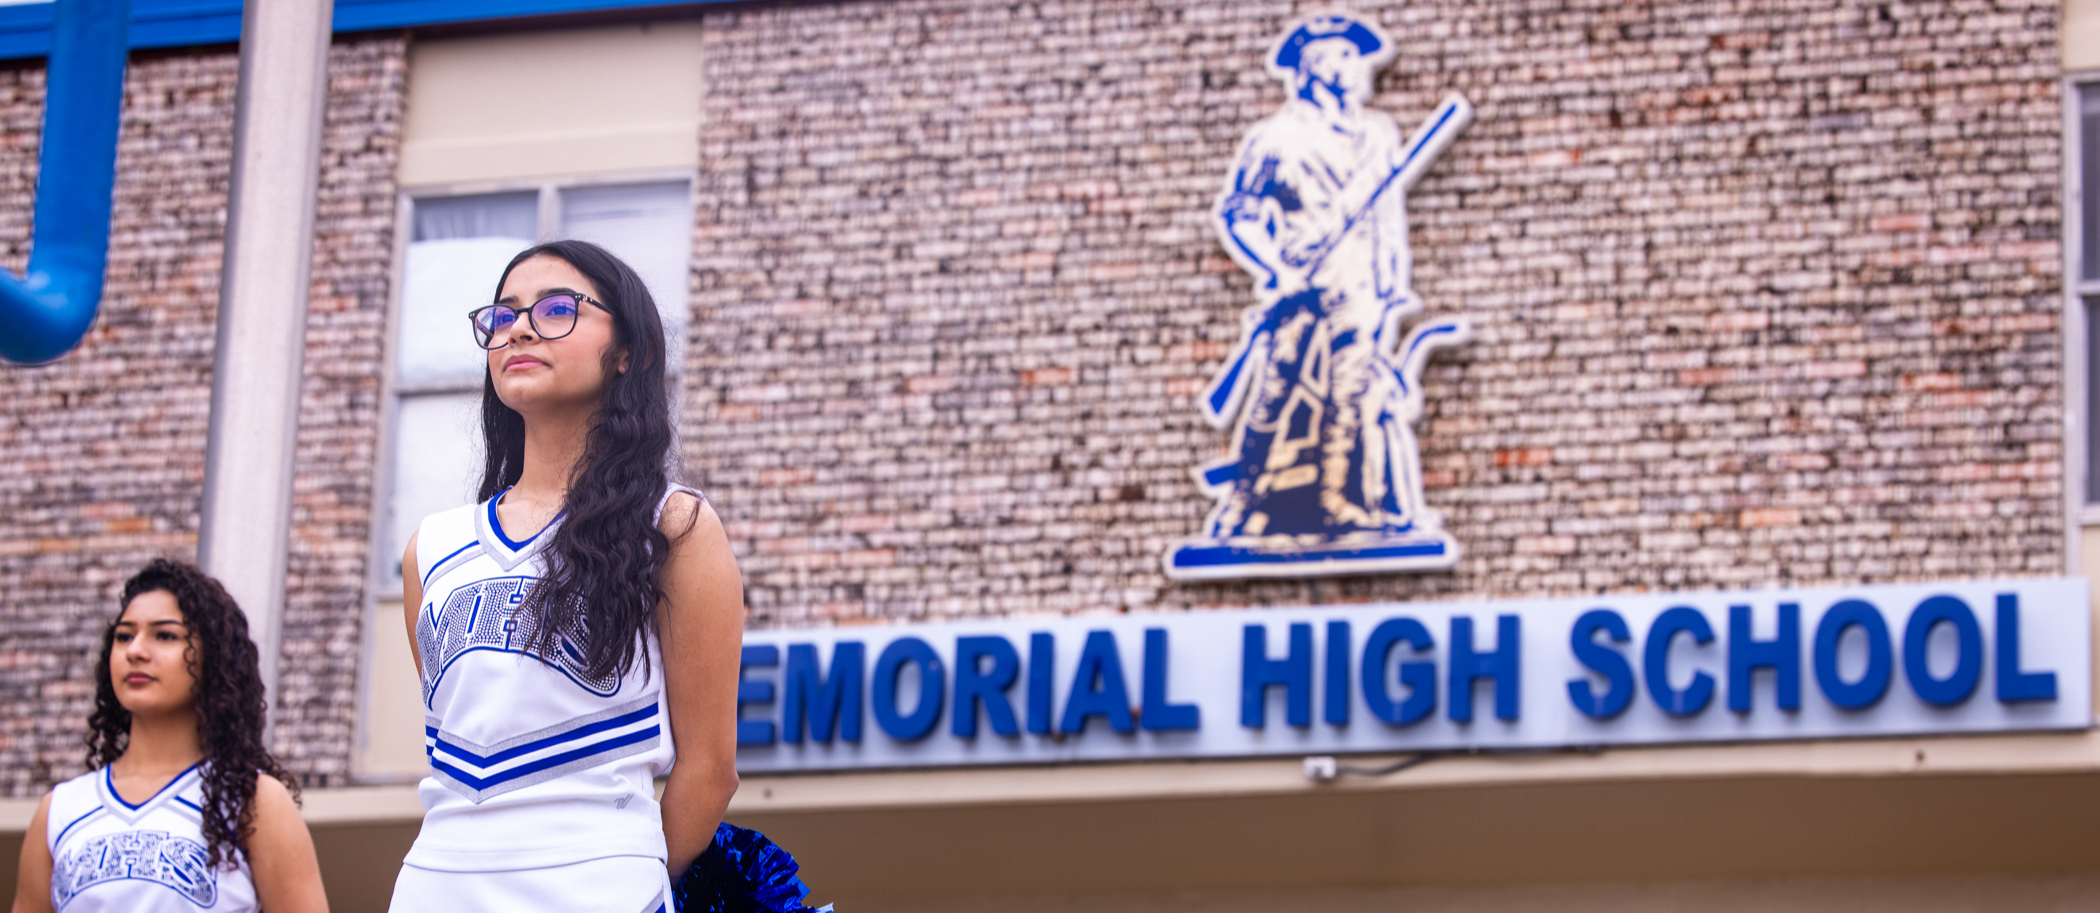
48,311
45,313
25,30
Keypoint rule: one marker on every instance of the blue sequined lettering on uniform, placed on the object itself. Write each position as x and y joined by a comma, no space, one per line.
484,615
177,863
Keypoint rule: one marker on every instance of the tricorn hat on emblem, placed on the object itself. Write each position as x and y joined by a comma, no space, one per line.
1369,40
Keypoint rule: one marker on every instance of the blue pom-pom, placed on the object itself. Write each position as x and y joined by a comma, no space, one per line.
741,872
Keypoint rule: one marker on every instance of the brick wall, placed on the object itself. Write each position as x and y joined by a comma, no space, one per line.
1767,294
339,409
105,449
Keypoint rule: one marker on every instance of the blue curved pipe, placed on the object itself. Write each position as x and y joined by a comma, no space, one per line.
44,314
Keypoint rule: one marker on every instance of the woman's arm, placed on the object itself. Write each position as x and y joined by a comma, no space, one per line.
411,597
701,628
281,853
33,876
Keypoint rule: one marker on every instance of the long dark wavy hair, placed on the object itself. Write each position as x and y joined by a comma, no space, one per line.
229,702
605,563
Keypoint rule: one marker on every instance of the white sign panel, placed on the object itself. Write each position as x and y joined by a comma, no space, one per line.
1905,659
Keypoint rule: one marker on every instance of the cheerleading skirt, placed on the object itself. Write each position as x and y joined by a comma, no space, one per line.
614,884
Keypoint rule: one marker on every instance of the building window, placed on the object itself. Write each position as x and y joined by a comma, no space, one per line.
2082,293
2083,195
458,245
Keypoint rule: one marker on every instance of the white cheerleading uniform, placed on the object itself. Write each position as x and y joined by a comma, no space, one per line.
538,770
110,855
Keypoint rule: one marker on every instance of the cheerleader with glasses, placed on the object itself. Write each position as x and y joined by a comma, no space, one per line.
578,630
184,810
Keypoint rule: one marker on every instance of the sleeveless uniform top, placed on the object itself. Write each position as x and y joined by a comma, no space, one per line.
108,854
533,762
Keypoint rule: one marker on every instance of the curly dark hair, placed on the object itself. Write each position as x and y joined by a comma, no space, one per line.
229,702
605,562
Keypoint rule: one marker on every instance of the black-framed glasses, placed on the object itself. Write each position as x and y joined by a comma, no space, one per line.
551,317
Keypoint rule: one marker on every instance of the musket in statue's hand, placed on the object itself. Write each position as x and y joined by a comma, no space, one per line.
1285,283
1222,401
1429,140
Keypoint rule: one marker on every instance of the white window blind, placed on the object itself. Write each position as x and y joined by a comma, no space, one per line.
651,227
2086,269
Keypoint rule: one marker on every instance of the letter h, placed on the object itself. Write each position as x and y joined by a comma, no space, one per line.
1258,673
1781,654
1500,665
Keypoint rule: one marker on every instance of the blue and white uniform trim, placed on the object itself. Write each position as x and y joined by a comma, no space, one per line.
459,556
111,854
499,547
70,825
479,771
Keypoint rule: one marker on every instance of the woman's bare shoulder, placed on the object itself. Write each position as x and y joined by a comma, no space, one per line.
685,512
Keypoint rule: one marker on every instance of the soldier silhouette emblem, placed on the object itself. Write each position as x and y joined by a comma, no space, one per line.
1323,476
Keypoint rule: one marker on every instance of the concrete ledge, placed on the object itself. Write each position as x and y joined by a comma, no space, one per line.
15,814
362,805
323,808
2040,753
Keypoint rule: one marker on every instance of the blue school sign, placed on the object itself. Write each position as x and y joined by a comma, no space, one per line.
1908,659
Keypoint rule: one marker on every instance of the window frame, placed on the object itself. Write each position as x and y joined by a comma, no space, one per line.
550,190
2078,357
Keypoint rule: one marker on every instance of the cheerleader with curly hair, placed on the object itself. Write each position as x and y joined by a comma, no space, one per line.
184,809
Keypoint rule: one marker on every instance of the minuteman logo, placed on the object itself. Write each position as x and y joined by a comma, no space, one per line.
1323,475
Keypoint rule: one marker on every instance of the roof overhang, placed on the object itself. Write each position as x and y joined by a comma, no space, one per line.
25,29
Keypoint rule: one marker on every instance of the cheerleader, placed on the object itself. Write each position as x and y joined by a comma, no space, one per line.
576,630
184,810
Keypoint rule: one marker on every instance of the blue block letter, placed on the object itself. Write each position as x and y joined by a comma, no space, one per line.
2015,685
820,703
1874,682
1781,654
1335,702
754,732
1602,660
976,685
1419,676
1656,661
1159,715
1042,667
907,727
1968,641
1258,672
1097,686
1468,665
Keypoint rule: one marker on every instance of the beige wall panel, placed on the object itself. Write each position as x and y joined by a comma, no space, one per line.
391,743
2089,568
1005,856
1918,895
546,104
2081,34
359,864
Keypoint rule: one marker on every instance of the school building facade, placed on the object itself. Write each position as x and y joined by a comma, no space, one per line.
1785,296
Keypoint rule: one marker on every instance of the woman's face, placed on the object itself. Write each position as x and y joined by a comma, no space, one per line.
545,377
150,656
